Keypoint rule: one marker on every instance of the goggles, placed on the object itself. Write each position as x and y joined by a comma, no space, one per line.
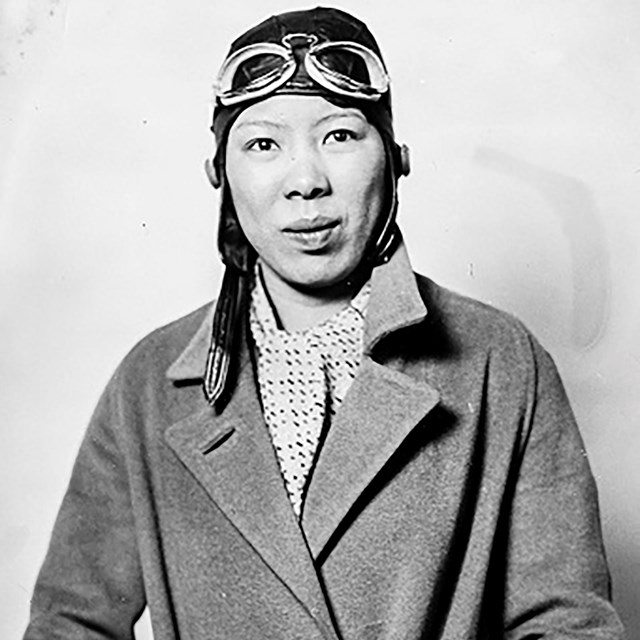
343,68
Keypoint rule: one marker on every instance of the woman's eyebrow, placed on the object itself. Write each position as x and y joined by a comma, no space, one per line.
261,123
341,116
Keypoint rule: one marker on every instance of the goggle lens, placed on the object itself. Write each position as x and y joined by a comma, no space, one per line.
257,71
346,64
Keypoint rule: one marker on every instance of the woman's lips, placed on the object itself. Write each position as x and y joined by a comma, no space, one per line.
312,234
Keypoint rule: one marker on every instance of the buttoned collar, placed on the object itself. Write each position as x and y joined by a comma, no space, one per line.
395,303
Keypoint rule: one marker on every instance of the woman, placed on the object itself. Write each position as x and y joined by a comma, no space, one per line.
373,456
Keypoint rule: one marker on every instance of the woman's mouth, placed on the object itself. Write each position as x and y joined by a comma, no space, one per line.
312,234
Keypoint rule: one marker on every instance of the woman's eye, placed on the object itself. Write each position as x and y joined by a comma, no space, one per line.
341,135
261,144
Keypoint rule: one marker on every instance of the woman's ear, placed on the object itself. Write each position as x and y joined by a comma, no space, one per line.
212,173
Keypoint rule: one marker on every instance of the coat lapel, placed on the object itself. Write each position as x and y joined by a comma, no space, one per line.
232,457
381,409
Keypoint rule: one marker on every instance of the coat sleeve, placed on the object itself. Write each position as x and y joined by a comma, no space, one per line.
557,582
90,585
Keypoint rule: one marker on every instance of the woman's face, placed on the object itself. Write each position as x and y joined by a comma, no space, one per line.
307,182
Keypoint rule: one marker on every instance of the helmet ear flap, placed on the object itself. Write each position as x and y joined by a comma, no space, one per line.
234,248
211,169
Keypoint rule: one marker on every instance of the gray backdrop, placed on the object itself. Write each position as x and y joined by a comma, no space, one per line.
524,121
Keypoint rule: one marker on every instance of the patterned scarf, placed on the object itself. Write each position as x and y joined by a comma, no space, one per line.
303,378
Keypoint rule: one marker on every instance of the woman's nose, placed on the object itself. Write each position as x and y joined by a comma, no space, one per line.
307,176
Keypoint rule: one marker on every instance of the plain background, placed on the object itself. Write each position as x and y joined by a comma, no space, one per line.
524,122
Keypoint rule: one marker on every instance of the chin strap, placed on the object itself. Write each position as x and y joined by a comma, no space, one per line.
388,236
226,323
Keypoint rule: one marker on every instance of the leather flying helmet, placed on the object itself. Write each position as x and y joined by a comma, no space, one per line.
321,51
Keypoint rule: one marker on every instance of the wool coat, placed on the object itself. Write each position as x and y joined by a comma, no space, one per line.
451,498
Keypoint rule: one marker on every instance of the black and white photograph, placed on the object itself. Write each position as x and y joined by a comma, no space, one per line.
319,322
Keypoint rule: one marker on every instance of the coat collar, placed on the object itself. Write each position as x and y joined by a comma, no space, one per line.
395,303
231,454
